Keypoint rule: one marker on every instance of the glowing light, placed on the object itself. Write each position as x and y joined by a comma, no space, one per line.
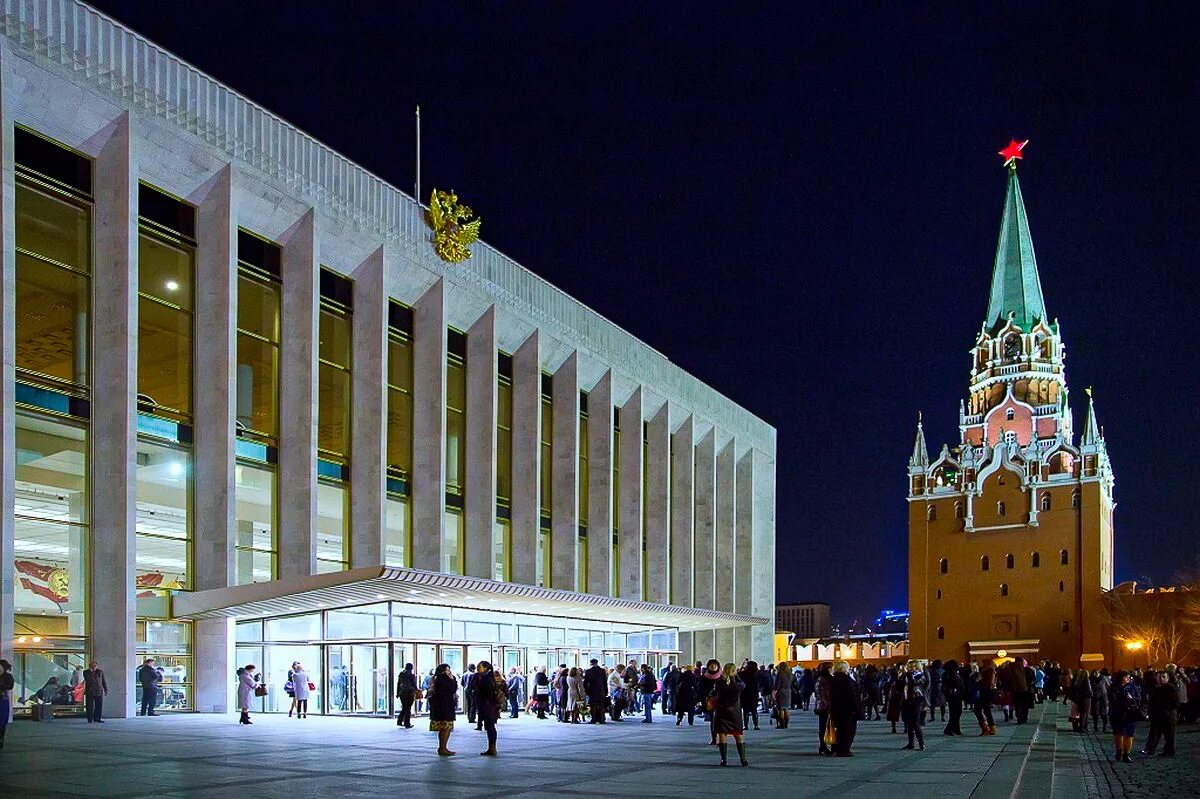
1133,646
1001,653
37,639
1012,152
172,285
21,640
175,469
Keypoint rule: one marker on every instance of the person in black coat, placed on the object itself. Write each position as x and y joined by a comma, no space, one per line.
955,691
443,706
845,708
489,698
685,696
595,685
749,678
406,692
1164,709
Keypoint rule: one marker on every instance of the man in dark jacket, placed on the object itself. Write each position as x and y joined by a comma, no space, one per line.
468,683
1164,707
94,689
406,691
595,685
149,676
845,708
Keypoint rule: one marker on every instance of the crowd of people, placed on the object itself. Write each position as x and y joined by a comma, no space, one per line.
734,699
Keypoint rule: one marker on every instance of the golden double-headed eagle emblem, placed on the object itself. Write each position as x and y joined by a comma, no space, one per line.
453,229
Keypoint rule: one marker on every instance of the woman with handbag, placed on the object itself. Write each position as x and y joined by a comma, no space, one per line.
490,696
1124,713
248,688
289,687
443,706
301,688
727,713
541,691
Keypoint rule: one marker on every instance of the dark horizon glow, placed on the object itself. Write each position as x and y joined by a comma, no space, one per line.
800,207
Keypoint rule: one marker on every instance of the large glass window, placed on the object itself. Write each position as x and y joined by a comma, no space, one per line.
456,424
452,553
255,510
258,331
333,385
165,324
615,588
502,533
398,526
51,521
169,643
333,516
544,554
397,538
163,514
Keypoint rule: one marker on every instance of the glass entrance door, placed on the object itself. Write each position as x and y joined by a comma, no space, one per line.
358,678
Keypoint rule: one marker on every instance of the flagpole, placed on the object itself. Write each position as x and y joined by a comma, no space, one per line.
418,186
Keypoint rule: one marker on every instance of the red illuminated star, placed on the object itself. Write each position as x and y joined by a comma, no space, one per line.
1012,152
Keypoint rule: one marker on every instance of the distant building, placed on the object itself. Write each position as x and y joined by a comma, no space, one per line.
803,619
1011,531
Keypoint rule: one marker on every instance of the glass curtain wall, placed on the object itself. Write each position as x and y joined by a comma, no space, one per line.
257,406
456,450
502,536
333,422
544,554
398,535
51,503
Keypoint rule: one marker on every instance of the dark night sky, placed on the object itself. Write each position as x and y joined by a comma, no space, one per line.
800,206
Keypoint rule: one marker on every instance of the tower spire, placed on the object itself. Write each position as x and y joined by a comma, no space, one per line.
1016,287
920,455
1091,428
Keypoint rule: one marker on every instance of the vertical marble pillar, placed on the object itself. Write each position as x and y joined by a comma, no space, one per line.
114,419
743,541
296,536
526,458
724,545
214,527
705,490
564,475
762,564
8,351
429,429
630,579
480,503
683,476
658,506
368,422
600,487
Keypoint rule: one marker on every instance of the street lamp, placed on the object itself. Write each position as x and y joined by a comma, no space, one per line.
1134,646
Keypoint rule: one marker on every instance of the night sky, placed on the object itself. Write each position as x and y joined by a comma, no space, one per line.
800,206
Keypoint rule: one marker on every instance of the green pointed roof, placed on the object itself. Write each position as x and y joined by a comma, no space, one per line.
1016,288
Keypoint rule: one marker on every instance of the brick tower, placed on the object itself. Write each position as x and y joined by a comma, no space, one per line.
1010,532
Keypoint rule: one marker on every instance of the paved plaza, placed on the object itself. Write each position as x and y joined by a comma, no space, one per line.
212,756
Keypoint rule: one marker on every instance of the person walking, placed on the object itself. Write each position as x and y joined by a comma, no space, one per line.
490,690
301,689
576,698
468,685
562,687
443,706
406,692
541,691
895,697
954,690
149,676
710,680
749,678
1081,700
247,688
670,679
937,695
845,708
1164,710
647,686
912,705
595,686
516,691
1124,714
685,697
821,699
95,688
727,713
1100,683
986,684
7,684
783,695
289,687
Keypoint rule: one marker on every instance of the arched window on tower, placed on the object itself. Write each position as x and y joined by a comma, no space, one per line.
1036,559
1000,509
1075,499
1009,561
1003,589
959,511
1061,587
984,563
944,566
931,514
1045,502
1062,557
1008,414
939,593
941,633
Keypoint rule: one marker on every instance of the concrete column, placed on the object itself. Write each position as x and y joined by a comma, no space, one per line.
429,429
704,645
683,476
658,506
296,536
114,420
480,500
631,497
600,487
368,423
564,475
724,646
526,458
214,509
706,509
8,361
724,547
762,565
743,542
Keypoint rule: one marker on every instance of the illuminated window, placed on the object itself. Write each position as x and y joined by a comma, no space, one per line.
1003,589
334,368
397,518
254,493
1045,502
615,587
984,564
333,526
1000,509
502,533
163,486
1008,414
258,299
456,413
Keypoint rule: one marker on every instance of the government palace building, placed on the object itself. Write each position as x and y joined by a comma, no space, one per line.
1010,532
